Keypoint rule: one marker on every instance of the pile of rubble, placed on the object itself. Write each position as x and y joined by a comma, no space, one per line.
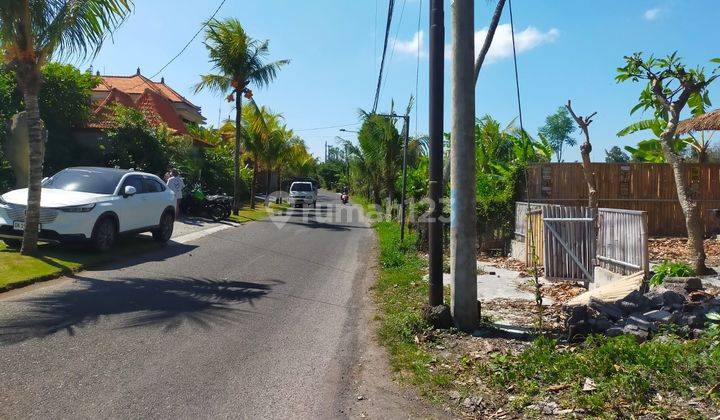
679,301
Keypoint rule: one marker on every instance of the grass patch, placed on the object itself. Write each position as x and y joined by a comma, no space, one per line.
53,261
628,376
400,295
246,214
667,376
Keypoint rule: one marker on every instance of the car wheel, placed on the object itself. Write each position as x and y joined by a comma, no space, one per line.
13,243
104,234
164,232
217,212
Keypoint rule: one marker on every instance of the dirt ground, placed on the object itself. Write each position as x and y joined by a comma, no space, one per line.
675,249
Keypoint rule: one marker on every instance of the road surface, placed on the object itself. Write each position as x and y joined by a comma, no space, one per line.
267,320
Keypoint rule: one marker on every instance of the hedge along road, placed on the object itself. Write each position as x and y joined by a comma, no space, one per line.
264,320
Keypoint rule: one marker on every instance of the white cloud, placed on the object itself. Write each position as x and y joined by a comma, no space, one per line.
501,46
652,14
411,47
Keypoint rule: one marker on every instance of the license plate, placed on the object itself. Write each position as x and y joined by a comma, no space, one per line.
21,226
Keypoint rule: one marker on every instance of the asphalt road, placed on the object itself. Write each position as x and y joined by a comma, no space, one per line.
266,320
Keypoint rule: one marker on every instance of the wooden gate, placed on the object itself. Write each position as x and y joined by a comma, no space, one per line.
569,243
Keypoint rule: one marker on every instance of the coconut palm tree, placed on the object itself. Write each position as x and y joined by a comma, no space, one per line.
238,61
31,33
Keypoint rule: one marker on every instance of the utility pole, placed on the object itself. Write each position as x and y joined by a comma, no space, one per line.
404,178
463,248
325,151
436,97
406,138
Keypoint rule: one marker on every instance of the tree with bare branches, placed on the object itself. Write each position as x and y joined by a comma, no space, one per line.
670,86
585,149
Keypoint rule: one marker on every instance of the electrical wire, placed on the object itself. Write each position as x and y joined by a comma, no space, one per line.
328,127
417,70
395,39
391,6
530,230
185,47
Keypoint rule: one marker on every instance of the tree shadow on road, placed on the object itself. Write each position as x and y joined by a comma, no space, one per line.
137,303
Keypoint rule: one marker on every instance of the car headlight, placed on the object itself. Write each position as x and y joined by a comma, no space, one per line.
78,209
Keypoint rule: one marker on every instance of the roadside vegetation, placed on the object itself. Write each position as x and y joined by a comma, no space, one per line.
605,377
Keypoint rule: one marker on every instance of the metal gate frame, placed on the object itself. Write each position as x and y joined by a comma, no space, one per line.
569,244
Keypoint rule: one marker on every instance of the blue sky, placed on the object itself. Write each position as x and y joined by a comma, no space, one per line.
569,49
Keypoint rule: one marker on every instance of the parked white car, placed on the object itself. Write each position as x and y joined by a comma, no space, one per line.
93,205
303,192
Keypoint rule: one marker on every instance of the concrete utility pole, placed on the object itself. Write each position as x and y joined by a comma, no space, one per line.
463,248
435,188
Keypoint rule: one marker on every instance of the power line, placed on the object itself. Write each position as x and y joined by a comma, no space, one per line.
417,70
199,31
391,6
392,51
327,128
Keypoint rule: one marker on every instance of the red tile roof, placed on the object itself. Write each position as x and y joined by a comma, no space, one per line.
136,85
101,117
158,110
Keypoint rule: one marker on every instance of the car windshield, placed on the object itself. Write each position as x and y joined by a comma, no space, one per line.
301,187
84,180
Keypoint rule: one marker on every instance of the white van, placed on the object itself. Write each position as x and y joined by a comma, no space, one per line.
303,192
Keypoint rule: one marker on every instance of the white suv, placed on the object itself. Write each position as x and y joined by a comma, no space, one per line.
302,193
93,204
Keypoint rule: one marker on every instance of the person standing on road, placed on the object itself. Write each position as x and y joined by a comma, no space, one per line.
176,185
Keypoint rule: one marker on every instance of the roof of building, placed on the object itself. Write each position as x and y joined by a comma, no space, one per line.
136,85
158,109
704,122
102,115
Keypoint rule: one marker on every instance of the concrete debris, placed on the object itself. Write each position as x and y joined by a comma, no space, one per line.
679,301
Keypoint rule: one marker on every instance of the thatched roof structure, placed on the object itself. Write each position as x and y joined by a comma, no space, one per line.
704,122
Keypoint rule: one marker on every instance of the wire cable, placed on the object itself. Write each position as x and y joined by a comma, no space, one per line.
526,139
417,70
185,47
395,39
327,128
391,6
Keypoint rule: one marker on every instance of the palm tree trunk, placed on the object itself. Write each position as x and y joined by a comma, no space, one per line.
253,182
32,215
236,155
279,187
488,38
702,154
267,187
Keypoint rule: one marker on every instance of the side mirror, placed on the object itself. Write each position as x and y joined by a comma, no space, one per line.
129,191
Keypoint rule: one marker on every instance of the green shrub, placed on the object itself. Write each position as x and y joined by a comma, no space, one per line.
671,269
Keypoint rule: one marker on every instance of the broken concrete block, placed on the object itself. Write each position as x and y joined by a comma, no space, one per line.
688,284
640,322
614,331
639,334
610,310
658,316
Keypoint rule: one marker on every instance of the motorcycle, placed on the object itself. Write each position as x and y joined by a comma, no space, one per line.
215,207
223,200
